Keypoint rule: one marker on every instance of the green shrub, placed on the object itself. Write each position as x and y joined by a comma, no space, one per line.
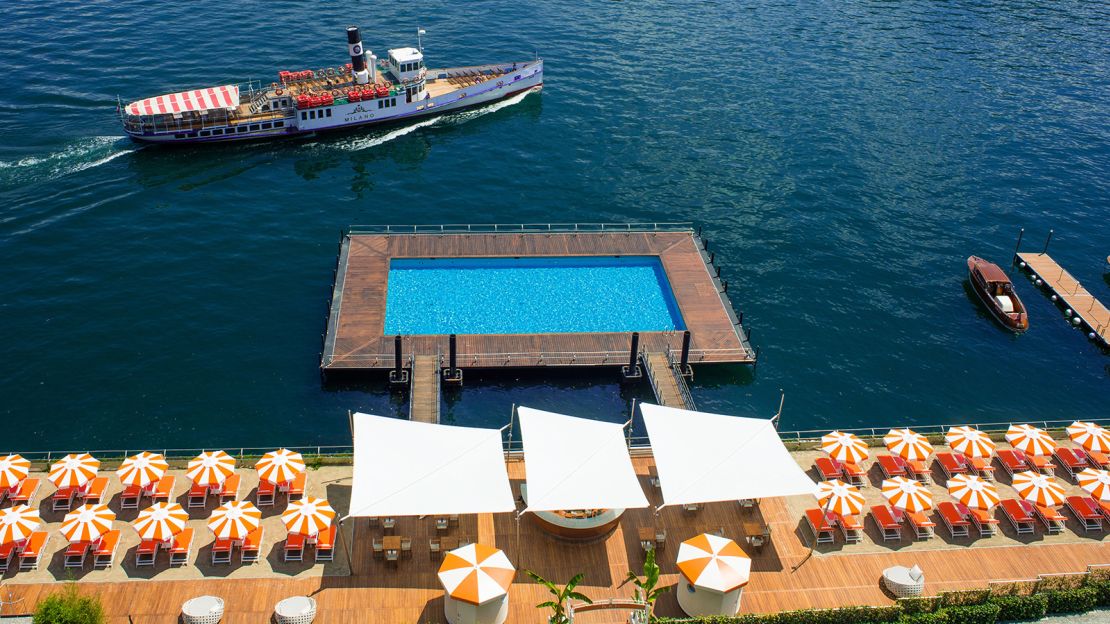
1021,607
964,598
1072,600
69,607
925,617
973,614
918,605
1102,592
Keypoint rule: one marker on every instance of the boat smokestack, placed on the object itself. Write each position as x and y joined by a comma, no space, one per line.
358,55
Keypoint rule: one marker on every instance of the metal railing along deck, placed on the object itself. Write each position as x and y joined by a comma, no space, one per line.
520,228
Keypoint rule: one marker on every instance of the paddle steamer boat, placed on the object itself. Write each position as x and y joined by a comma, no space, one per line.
367,91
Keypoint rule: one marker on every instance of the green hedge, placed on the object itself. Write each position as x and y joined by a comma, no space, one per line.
847,615
973,614
1072,600
925,617
1102,589
1021,607
69,607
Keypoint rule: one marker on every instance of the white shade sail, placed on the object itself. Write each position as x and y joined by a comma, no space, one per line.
703,458
405,468
575,463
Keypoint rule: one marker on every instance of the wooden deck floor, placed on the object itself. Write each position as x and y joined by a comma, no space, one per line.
424,401
665,381
410,592
355,337
1075,296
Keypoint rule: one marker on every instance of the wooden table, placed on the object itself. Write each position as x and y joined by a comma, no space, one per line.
756,533
647,537
391,544
448,543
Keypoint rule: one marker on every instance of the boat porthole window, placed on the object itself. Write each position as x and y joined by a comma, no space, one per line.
329,112
304,116
267,126
381,103
254,127
241,129
278,124
205,133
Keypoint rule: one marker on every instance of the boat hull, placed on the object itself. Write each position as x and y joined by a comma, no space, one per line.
975,267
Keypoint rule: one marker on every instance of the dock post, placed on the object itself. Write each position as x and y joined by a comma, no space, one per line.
398,376
632,372
1046,242
1017,247
453,374
684,368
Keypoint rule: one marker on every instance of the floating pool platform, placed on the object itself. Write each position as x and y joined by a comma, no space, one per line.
1091,313
690,297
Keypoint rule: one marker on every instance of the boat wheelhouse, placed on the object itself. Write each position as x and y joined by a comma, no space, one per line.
366,91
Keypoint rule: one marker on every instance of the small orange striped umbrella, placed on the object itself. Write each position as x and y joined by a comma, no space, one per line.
13,470
280,466
161,521
476,573
973,491
713,562
17,523
1040,489
210,468
1090,436
846,447
907,494
87,523
234,520
308,516
142,469
1097,482
74,470
1030,440
908,444
840,497
969,441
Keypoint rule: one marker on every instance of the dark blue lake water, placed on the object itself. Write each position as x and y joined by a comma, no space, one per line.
844,159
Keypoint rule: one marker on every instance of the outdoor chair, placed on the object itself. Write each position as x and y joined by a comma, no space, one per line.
76,553
294,547
325,545
1086,512
891,466
918,470
229,491
164,490
660,538
1013,461
1072,460
819,523
854,474
956,522
828,469
198,496
25,493
979,465
691,507
952,464
31,555
921,524
434,546
378,547
1104,508
1019,518
129,497
1052,520
146,553
850,528
406,546
904,582
63,498
181,548
884,520
252,545
981,519
8,552
264,495
105,554
441,524
95,492
221,551
296,490
1099,461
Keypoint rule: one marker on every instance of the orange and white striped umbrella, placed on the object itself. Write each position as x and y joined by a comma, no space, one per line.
308,516
280,466
13,470
210,468
17,523
73,470
142,469
1090,436
87,523
1097,482
476,573
908,444
234,520
840,497
1038,488
907,494
846,447
969,441
161,521
973,491
713,562
1030,440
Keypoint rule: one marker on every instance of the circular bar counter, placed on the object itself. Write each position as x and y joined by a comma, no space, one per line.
578,525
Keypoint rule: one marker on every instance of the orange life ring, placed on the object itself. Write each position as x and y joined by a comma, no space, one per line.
278,92
388,84
335,93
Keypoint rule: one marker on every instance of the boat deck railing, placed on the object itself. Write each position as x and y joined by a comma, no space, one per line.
520,228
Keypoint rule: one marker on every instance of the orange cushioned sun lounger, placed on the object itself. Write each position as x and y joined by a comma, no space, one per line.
164,490
820,525
955,521
25,495
892,466
828,469
921,524
1070,459
95,492
230,489
1019,517
325,544
979,465
888,526
1012,461
1053,521
182,544
105,554
850,528
1098,460
950,464
198,495
1085,511
146,553
75,554
983,520
854,474
294,547
129,497
251,546
297,489
32,551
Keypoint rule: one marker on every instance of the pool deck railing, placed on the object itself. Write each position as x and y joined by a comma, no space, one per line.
1090,312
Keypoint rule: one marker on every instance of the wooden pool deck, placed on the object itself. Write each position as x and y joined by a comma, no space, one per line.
355,338
1093,312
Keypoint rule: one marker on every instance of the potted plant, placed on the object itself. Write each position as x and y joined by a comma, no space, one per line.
647,589
560,597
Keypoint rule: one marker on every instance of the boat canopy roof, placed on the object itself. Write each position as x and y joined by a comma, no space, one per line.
406,55
991,272
226,96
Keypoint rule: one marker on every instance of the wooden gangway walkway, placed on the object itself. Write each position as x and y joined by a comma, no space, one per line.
424,395
669,387
1092,311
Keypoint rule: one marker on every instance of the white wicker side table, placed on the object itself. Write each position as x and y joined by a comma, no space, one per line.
295,610
202,610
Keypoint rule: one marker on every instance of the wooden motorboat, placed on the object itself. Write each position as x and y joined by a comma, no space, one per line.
995,290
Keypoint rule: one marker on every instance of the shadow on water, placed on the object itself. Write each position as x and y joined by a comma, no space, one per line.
981,310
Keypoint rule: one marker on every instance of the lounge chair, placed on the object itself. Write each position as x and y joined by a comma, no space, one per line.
850,528
248,553
129,497
163,492
822,525
1041,463
892,466
1013,461
294,547
63,498
31,555
1073,460
8,553
1052,519
979,465
229,491
904,582
94,494
1099,461
146,553
325,545
182,547
105,554
956,522
854,474
264,495
198,496
883,517
983,520
1104,508
25,493
921,524
952,464
828,468
296,489
1019,518
76,553
917,469
1085,511
221,551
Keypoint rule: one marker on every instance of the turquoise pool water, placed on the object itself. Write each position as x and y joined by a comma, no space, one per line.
529,296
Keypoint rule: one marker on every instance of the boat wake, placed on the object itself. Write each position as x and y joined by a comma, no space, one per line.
81,155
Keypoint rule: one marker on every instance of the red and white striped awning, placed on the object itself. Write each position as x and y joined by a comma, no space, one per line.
226,96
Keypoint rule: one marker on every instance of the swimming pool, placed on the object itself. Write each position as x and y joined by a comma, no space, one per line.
531,295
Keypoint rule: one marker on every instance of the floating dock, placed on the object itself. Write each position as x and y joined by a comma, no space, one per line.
1092,313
